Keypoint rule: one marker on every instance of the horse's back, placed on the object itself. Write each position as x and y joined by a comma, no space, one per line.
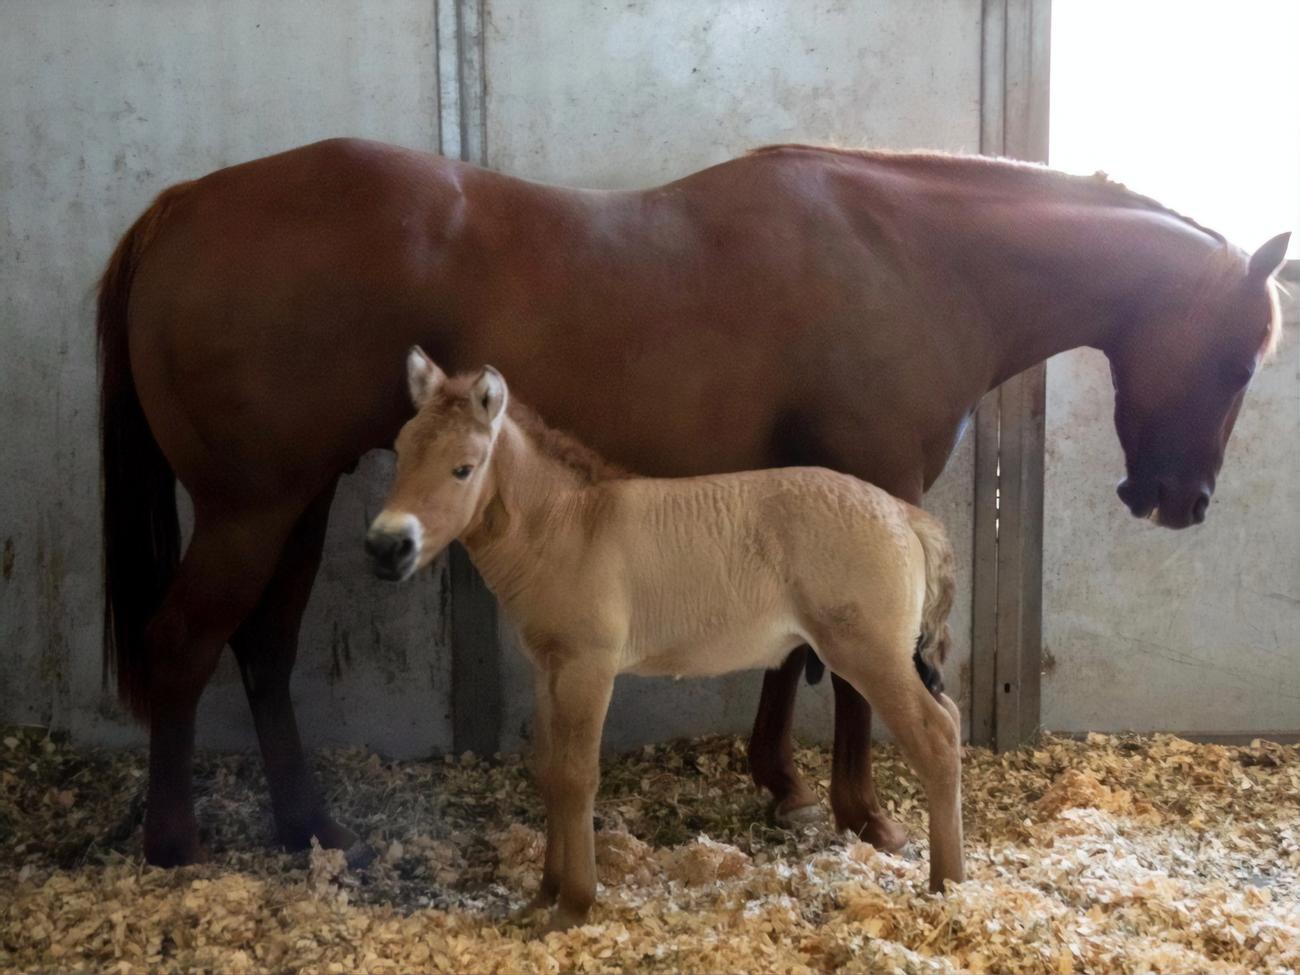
269,315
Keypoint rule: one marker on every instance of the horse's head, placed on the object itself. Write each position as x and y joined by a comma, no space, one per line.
443,466
1180,376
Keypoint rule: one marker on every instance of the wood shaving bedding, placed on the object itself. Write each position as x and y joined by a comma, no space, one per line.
1114,854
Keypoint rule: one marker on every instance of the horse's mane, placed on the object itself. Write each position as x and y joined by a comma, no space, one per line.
563,447
1098,186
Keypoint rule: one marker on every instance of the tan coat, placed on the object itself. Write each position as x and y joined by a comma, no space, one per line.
605,574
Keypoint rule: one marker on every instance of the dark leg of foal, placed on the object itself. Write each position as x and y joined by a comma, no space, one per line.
853,796
219,580
266,645
771,746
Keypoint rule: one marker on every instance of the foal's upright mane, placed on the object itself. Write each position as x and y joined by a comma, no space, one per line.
589,466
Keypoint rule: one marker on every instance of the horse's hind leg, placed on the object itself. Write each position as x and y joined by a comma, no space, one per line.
219,580
853,794
771,745
266,646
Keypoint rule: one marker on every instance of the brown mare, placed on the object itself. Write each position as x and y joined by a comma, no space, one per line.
604,574
818,307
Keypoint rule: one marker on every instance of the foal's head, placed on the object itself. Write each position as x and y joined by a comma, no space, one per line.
1180,374
443,466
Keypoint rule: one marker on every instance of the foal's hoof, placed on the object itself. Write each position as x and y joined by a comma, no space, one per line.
562,920
531,915
527,914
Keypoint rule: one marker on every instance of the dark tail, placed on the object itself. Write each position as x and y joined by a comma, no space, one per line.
141,531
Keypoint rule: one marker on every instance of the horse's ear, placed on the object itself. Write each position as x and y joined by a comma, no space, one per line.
422,377
1266,261
488,396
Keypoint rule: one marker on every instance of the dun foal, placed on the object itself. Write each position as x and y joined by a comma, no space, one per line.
605,574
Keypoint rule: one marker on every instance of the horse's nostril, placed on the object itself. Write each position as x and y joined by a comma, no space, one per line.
406,546
1200,506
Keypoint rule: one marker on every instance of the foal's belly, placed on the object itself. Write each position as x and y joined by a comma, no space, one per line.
713,650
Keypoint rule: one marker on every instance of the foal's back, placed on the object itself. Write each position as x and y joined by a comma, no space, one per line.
729,572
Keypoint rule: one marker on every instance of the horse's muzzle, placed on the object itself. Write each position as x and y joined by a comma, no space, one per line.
1174,504
393,554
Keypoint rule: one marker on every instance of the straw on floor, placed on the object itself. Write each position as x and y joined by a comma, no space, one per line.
1112,854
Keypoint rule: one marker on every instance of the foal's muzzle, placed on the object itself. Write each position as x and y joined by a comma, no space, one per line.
393,552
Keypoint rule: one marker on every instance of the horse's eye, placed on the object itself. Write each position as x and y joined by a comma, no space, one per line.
462,472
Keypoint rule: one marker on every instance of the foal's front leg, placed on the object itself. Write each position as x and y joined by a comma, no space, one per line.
578,692
552,868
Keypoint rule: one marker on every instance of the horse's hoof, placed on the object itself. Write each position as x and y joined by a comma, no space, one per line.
329,834
359,854
884,834
174,852
806,814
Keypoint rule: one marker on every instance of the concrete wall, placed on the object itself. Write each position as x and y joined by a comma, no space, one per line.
101,105
1148,629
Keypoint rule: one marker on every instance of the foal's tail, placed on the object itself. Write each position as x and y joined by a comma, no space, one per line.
940,588
141,530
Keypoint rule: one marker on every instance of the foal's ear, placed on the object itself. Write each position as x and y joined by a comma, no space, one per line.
488,396
422,377
1266,261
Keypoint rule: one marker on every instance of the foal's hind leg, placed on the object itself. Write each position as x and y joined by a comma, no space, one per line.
266,646
220,579
927,730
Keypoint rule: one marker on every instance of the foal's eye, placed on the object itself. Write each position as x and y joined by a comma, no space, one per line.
462,472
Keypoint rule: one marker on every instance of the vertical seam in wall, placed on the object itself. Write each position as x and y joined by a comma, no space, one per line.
471,54
985,556
437,77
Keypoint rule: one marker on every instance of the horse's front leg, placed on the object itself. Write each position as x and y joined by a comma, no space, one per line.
579,692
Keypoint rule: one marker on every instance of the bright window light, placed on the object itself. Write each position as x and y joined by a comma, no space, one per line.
1193,102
